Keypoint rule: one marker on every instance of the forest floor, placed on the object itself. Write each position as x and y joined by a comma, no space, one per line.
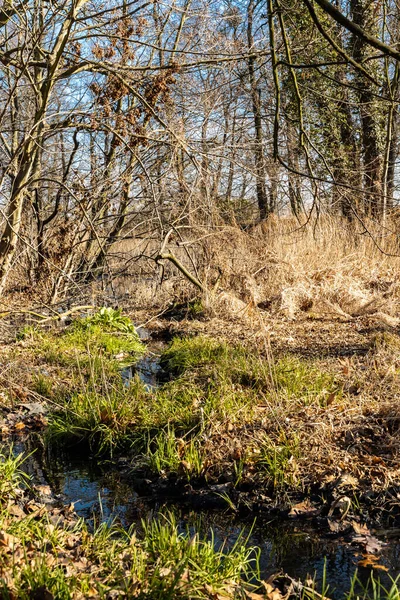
257,415
336,389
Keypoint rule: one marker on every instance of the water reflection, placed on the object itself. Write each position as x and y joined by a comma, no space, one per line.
98,491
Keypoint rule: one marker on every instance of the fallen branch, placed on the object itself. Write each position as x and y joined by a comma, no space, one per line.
172,258
45,318
71,311
176,262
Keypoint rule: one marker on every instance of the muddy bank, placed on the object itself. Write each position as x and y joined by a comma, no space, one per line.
299,544
126,427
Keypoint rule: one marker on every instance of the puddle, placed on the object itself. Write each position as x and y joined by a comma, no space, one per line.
99,492
148,369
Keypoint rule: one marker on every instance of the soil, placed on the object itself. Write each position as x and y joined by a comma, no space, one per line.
350,476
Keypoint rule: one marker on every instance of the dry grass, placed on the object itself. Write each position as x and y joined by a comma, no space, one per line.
323,268
326,268
324,292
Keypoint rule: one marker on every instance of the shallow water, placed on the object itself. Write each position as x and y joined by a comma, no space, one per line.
147,368
98,491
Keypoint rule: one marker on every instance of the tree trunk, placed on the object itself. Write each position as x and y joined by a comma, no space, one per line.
366,16
262,197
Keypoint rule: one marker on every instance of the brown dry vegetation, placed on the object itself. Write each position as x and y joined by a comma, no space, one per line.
324,293
327,292
324,268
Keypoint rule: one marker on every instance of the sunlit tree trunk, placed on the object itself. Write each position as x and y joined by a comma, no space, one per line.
260,175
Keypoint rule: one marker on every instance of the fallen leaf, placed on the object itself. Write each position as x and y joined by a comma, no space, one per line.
185,466
16,511
370,561
45,490
19,426
303,509
360,529
331,399
334,526
271,592
7,540
373,545
216,595
254,596
347,479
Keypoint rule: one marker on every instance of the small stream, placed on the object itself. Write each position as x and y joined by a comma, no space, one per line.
100,492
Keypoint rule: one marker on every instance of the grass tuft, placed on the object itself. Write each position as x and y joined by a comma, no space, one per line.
46,558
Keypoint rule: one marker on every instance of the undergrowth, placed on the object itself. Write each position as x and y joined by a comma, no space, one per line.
225,414
49,553
218,417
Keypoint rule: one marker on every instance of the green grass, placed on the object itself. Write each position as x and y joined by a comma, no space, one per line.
277,460
110,416
193,352
91,349
11,475
221,392
43,559
289,376
105,419
176,429
168,453
372,589
107,333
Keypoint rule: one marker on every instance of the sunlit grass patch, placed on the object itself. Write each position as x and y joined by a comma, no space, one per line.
277,460
221,388
107,332
168,453
103,418
202,424
43,556
193,352
208,567
11,475
92,348
220,362
299,379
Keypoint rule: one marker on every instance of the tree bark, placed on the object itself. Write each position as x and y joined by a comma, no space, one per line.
261,189
365,16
